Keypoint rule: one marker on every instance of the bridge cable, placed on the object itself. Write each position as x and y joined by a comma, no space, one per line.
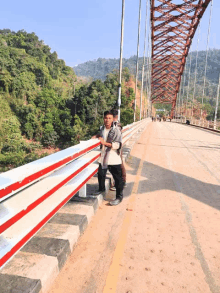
148,77
189,75
216,105
185,83
179,96
148,81
121,55
145,38
194,89
138,41
183,89
207,47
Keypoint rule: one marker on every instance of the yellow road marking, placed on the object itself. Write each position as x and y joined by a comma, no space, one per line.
112,278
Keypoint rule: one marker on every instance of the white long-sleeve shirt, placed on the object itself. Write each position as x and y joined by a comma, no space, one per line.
114,157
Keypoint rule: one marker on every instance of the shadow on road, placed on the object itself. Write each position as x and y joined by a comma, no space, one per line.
159,178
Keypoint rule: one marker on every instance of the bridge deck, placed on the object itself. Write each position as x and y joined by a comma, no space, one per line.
165,235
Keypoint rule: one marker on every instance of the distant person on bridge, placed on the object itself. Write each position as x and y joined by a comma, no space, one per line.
111,142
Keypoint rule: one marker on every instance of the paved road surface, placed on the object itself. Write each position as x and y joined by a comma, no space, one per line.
165,235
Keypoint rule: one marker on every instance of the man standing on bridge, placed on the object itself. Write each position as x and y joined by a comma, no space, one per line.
111,142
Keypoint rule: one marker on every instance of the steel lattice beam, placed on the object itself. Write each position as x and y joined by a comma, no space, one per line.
172,30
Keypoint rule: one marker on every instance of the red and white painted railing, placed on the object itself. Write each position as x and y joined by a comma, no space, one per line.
18,178
31,194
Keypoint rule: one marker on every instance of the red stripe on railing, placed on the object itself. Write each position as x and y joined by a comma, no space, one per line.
22,242
37,175
22,213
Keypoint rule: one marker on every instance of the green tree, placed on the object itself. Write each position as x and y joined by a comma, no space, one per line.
79,130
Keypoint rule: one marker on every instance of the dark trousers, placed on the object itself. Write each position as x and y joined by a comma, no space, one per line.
116,172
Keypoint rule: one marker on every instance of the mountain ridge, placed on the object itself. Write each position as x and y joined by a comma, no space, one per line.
99,68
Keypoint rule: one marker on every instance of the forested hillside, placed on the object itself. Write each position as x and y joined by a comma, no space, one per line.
44,107
101,67
98,69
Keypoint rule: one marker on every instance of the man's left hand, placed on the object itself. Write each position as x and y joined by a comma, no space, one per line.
102,140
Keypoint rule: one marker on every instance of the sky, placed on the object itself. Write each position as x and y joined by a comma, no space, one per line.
83,30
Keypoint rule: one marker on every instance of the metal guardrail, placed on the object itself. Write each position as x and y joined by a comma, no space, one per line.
206,124
31,195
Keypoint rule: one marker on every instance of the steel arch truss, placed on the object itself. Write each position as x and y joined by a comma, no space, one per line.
172,31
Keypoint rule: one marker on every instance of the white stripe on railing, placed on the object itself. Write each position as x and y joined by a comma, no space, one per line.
19,178
18,206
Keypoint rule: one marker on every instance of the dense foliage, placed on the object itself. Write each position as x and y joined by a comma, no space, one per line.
98,69
43,104
101,67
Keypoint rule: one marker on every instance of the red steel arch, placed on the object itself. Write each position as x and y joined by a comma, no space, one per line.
173,26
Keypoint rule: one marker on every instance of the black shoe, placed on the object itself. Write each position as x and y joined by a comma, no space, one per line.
125,184
115,202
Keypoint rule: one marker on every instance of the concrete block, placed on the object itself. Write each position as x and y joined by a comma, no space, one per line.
32,266
78,209
17,284
94,202
66,232
58,248
68,219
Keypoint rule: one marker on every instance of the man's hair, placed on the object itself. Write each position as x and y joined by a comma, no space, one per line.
114,112
108,113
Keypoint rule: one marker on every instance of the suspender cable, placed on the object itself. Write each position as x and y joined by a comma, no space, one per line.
207,46
177,105
216,105
139,29
194,89
181,95
180,98
150,73
142,80
148,84
149,109
184,81
190,63
121,54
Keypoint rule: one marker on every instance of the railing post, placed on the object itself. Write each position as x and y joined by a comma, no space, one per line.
82,191
214,125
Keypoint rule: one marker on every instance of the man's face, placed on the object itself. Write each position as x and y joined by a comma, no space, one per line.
108,119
